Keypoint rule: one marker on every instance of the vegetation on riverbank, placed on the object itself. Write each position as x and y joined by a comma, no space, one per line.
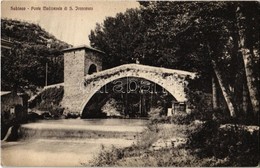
49,100
206,143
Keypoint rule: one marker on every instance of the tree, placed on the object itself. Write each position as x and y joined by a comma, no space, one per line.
24,65
193,36
244,18
119,38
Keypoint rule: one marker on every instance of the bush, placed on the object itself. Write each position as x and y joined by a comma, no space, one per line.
106,157
55,110
181,118
238,146
49,100
160,120
48,96
200,100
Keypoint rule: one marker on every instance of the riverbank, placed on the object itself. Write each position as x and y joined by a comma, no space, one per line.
187,145
158,144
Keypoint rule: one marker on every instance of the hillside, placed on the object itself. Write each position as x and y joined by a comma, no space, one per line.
25,32
24,66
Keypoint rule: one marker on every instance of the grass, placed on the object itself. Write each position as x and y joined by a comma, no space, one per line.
203,139
142,153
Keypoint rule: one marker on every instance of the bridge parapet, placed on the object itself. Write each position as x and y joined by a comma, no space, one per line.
144,68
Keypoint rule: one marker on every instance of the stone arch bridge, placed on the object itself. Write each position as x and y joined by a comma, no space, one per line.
79,86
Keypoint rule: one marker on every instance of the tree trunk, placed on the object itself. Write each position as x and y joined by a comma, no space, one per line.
214,94
245,100
252,86
226,93
248,61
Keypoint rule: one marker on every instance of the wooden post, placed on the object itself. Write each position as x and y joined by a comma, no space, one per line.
46,75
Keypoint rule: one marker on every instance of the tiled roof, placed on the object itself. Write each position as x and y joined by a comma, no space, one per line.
82,47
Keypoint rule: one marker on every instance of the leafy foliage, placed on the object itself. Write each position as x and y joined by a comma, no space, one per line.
119,38
52,95
25,64
49,100
239,146
183,35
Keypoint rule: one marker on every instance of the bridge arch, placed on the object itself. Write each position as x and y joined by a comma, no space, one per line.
78,91
174,81
88,96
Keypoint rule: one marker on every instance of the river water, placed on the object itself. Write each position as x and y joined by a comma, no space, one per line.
68,142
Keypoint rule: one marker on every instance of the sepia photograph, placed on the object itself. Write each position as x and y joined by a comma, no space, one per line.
110,83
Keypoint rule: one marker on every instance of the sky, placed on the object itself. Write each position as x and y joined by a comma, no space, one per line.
71,26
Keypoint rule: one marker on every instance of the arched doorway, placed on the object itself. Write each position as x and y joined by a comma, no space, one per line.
92,69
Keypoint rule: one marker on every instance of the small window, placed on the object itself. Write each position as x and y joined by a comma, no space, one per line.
92,69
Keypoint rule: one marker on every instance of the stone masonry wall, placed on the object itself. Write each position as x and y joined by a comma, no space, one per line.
73,75
92,58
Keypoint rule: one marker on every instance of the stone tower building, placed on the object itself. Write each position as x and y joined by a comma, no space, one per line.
78,62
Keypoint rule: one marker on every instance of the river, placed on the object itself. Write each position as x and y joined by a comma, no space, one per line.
68,142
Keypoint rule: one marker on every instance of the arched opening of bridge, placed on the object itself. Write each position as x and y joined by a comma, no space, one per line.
129,97
92,69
